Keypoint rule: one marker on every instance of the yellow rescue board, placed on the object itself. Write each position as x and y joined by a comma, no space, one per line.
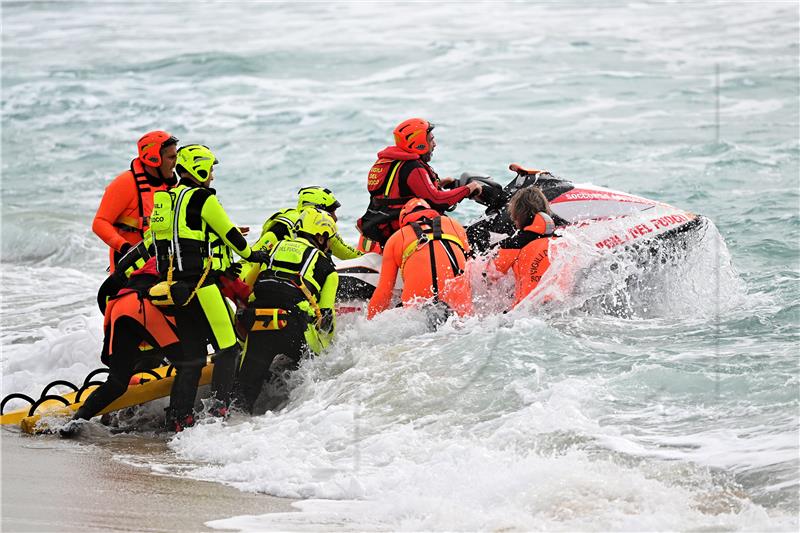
149,389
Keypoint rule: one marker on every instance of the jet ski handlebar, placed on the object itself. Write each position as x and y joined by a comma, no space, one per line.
492,195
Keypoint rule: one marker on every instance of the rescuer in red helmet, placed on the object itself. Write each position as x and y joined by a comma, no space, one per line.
124,212
402,172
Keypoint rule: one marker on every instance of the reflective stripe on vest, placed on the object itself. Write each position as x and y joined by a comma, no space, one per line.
297,276
383,192
168,227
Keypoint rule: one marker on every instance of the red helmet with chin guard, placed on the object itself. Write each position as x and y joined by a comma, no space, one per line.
150,146
412,136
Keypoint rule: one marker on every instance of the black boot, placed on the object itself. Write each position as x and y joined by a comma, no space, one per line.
225,363
176,422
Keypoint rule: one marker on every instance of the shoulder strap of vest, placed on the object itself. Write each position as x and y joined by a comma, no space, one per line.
436,234
447,241
140,180
394,169
176,247
308,258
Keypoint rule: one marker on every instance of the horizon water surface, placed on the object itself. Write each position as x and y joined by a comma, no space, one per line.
681,415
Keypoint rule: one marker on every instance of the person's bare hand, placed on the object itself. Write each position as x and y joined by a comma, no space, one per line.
475,188
244,229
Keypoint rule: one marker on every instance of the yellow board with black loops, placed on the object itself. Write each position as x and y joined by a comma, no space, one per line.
144,388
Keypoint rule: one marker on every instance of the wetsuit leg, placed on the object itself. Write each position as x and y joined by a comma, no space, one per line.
225,363
262,349
193,332
254,369
218,315
125,355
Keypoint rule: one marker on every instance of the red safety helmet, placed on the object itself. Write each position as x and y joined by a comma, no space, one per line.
150,146
415,209
412,136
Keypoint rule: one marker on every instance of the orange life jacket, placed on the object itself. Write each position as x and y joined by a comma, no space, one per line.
124,212
431,257
526,253
387,183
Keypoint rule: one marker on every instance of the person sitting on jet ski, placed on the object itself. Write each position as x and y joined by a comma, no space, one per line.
402,172
291,311
137,336
525,252
430,251
281,225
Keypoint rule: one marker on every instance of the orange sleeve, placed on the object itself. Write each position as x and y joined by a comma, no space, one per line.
382,296
115,200
505,259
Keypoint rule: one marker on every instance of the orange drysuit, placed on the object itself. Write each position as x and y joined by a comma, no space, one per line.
124,212
526,254
431,257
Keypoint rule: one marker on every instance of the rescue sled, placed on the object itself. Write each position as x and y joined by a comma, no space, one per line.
144,386
605,220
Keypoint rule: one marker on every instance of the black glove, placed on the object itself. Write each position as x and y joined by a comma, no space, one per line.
234,270
326,324
124,249
258,256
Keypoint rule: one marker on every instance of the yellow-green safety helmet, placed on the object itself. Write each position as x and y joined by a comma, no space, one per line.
318,197
314,222
197,160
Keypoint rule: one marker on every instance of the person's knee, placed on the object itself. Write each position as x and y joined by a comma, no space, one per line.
117,383
226,355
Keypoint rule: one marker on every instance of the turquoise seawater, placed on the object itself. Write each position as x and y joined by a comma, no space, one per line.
683,415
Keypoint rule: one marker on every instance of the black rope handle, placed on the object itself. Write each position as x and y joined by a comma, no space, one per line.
83,389
92,374
15,396
43,399
56,383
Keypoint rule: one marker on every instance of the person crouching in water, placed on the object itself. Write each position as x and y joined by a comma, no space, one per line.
281,224
193,239
291,312
137,336
525,252
430,251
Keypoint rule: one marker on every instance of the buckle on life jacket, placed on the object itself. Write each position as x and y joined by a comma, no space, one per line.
270,319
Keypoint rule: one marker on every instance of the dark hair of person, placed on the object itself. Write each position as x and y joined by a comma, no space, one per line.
525,204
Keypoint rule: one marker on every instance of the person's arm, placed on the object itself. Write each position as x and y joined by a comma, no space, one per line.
342,250
216,217
277,227
116,199
267,241
421,186
382,296
327,305
506,257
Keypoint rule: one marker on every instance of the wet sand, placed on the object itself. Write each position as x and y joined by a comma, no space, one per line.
53,485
